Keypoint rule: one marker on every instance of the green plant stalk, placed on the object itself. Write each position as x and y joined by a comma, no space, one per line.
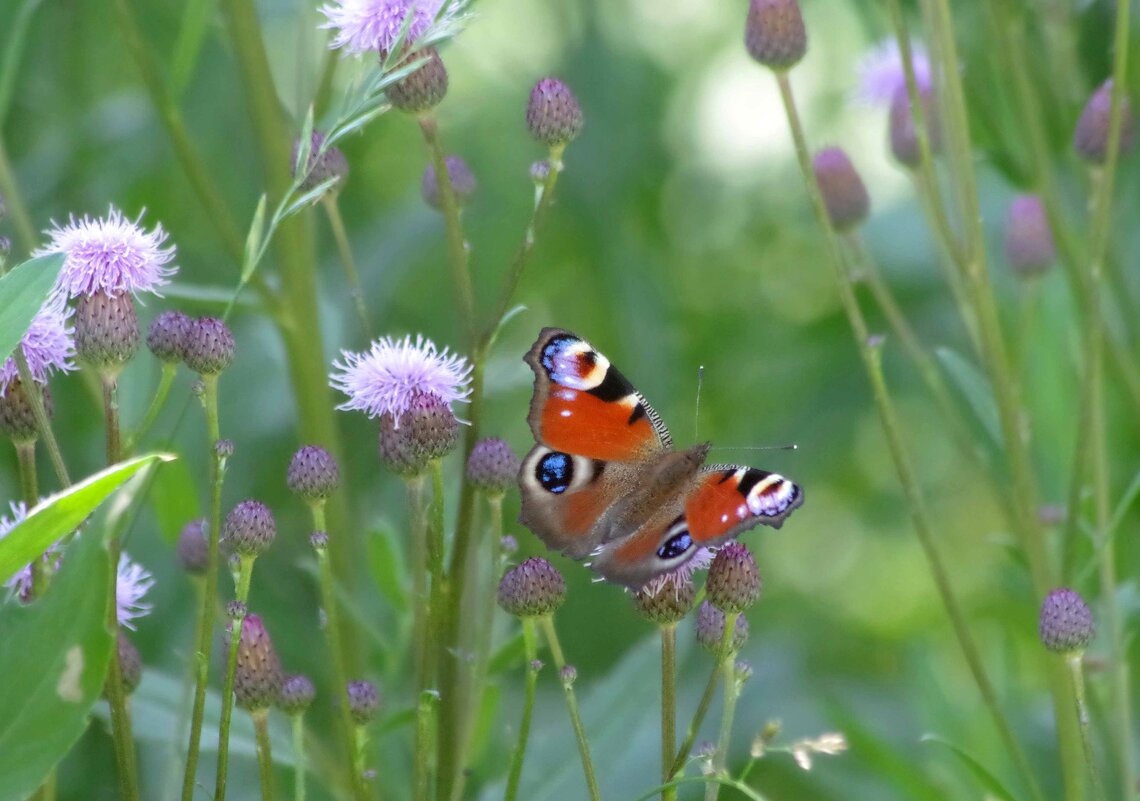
264,752
299,766
518,756
698,716
157,402
110,385
29,489
731,693
425,720
417,514
726,781
333,632
205,623
457,254
14,199
244,576
547,623
871,356
1073,662
359,750
43,424
352,275
668,634
436,653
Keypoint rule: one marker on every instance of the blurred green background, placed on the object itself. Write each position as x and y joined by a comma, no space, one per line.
680,237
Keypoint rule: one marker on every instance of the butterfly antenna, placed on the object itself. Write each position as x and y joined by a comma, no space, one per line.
790,446
697,405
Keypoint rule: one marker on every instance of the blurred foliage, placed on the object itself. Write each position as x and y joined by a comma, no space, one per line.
680,237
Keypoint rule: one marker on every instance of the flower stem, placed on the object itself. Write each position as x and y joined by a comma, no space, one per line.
731,693
336,222
668,634
530,648
871,356
1077,675
425,723
29,489
264,753
205,625
245,574
695,724
359,752
156,404
299,766
572,708
43,424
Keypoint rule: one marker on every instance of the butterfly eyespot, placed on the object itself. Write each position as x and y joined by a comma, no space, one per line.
675,546
555,472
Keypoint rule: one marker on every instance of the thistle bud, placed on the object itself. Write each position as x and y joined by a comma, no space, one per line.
17,420
534,588
236,610
166,337
193,548
313,473
321,166
553,115
427,430
462,183
423,89
363,701
508,545
540,171
210,346
1066,624
733,584
224,449
249,529
297,693
130,664
492,466
742,670
1090,139
106,330
319,540
843,191
1028,239
568,675
666,603
774,33
257,678
710,629
903,137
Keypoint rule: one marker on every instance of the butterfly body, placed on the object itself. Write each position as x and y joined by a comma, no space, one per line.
603,479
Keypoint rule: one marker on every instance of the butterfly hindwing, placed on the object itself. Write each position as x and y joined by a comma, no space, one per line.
730,499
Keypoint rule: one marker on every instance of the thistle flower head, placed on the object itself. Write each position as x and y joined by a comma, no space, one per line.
258,676
313,473
363,701
734,580
106,330
553,115
666,602
1066,623
48,345
387,378
843,190
463,183
321,166
297,693
109,254
902,133
210,346
1090,139
774,33
423,89
534,588
249,528
130,663
132,583
1028,239
17,418
881,73
193,548
710,629
166,337
373,26
492,466
428,430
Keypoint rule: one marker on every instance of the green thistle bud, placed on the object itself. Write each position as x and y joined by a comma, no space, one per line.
313,473
130,665
106,330
463,183
534,588
492,466
427,430
17,420
1066,623
210,346
166,337
363,701
423,89
666,603
319,540
710,629
249,528
297,693
843,191
774,33
257,678
733,584
193,548
568,675
553,115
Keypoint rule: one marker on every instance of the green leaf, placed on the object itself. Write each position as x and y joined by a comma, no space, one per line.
388,568
23,291
174,499
60,514
253,240
991,783
510,655
976,389
54,661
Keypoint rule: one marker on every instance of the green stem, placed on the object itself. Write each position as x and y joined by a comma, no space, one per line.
264,752
43,424
425,725
110,386
29,489
668,634
698,718
1076,674
547,623
245,575
417,514
530,647
336,222
456,245
156,404
333,632
871,356
299,766
359,752
205,625
731,693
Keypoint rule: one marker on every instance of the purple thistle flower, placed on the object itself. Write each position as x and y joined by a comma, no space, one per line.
20,584
675,579
881,72
369,26
109,254
386,378
49,346
132,583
